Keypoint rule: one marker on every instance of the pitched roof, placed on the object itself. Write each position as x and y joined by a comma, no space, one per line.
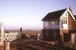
53,15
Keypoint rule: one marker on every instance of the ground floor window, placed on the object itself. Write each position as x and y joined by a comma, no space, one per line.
67,37
51,36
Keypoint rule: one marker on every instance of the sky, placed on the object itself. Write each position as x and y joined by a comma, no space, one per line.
28,13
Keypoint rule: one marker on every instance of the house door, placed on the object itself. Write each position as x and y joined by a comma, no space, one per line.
67,37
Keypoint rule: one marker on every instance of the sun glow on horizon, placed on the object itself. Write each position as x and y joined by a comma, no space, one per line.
28,23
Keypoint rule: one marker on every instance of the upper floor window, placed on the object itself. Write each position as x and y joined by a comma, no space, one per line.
63,21
57,22
53,23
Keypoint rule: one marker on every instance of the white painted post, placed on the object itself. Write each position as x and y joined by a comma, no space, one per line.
7,45
1,34
73,38
38,37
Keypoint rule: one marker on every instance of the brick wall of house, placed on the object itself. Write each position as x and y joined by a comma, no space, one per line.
71,22
74,24
13,48
1,48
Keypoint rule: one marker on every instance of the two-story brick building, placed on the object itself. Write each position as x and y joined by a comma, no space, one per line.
59,25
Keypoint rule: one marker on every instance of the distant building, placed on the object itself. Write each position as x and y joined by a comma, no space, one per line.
59,25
